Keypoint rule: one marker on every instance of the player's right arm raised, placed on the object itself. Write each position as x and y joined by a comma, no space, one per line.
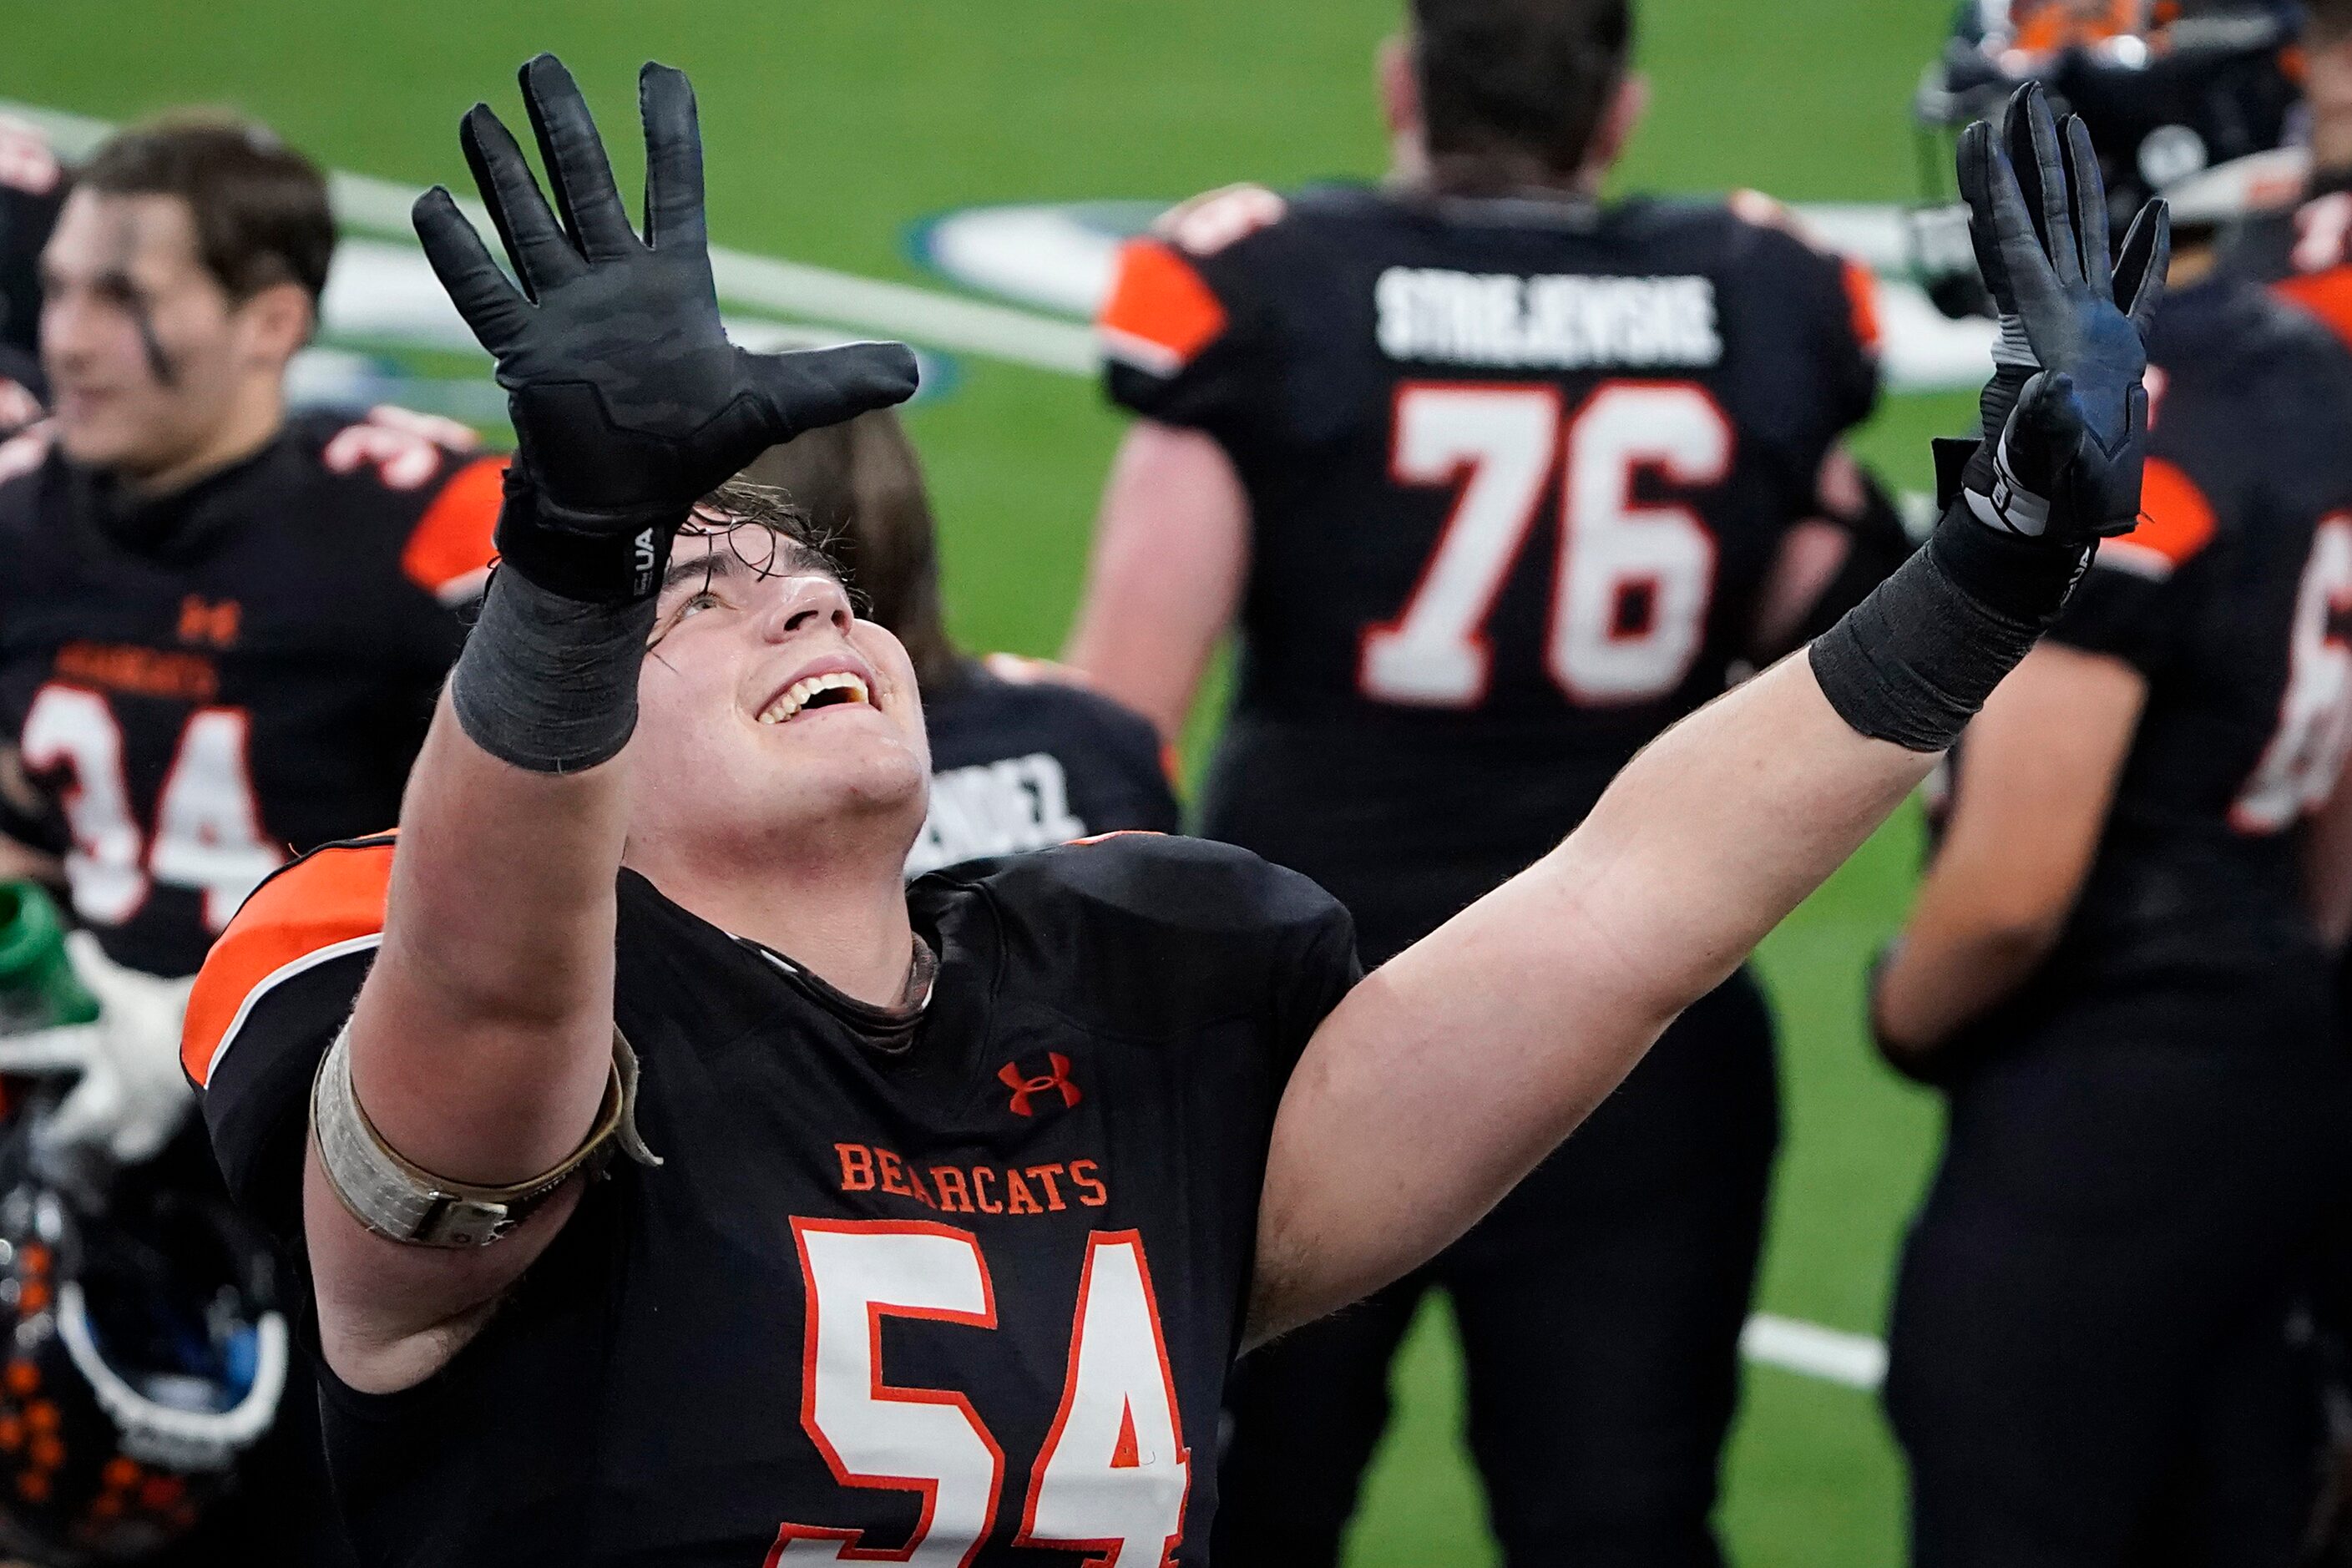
482,1045
1445,1077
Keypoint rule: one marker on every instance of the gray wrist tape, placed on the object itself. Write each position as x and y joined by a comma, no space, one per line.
403,1203
1914,661
550,683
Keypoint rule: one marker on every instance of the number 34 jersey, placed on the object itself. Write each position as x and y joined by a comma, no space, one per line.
198,687
1517,470
967,1299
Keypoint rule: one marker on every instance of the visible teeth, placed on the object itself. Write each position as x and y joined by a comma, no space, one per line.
797,696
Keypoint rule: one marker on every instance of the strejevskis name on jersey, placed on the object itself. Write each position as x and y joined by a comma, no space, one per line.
995,808
1551,322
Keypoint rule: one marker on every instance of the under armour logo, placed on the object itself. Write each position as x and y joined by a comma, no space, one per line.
205,622
1026,1085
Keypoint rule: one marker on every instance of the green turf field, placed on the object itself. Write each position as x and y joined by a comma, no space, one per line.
832,124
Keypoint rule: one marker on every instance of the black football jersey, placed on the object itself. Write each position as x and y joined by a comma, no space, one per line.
969,1301
201,686
1517,471
2304,251
1021,760
2231,598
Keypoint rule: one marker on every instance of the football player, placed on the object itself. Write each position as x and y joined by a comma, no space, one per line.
2306,250
1498,480
221,626
2116,971
1022,758
934,1215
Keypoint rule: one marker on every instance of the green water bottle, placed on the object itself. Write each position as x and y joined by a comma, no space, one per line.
38,988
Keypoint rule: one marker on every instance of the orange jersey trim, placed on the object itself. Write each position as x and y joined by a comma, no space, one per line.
327,904
2176,522
449,552
1861,294
1161,313
2327,295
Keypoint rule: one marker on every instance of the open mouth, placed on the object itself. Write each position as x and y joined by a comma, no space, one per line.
835,689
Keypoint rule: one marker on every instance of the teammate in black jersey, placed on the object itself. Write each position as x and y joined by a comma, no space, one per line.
221,627
1498,481
2115,970
936,1214
1021,757
2304,248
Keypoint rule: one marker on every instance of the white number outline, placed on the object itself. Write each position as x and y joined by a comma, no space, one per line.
847,1547
109,843
1497,503
2303,760
1111,1553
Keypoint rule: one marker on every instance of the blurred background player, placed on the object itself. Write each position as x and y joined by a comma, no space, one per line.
2305,249
1497,482
222,629
1021,758
2118,966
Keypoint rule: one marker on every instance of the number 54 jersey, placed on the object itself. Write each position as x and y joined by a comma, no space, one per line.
195,687
1517,470
963,1296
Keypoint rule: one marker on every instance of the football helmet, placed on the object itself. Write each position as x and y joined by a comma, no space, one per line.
140,1355
2168,89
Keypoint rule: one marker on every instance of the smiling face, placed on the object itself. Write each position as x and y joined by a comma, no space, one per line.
150,360
772,723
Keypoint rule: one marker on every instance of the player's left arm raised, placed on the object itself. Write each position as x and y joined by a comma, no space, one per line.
1446,1075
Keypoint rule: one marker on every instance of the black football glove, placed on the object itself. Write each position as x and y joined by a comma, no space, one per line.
629,404
2066,416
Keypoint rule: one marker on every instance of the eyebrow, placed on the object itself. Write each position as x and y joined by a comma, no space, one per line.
707,565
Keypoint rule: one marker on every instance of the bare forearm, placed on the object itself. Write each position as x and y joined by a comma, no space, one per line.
1939,982
483,1037
1170,550
1555,984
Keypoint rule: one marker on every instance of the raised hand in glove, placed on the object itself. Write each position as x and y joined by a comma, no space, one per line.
629,404
130,1095
2066,416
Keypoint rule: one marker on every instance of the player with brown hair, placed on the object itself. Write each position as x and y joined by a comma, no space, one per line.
934,1216
1023,756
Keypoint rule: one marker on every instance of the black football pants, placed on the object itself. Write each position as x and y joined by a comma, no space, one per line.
1599,1308
2096,1357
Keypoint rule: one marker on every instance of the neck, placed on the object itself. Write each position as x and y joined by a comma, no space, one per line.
2331,145
1413,168
255,413
2327,90
2191,265
842,918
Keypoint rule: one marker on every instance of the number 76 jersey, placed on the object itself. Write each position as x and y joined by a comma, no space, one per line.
196,687
1510,462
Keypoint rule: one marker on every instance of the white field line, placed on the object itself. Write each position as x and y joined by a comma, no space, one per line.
757,283
1809,1350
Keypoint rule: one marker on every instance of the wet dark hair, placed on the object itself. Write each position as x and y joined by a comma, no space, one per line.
260,208
860,487
763,528
1514,91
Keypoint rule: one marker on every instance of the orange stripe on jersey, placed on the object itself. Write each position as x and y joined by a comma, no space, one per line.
2327,295
2176,522
1861,292
328,903
1161,314
450,550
